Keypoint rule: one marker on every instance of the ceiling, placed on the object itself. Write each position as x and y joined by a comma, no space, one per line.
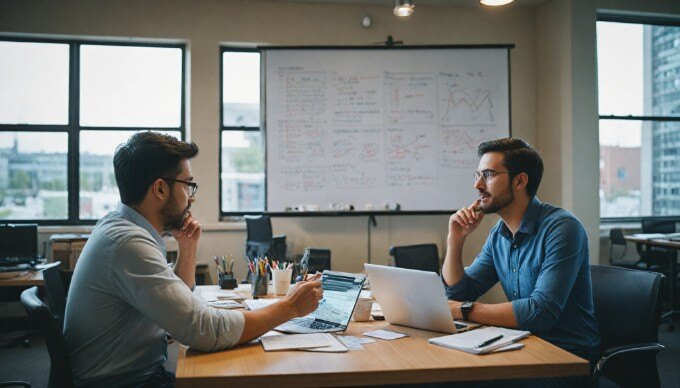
456,3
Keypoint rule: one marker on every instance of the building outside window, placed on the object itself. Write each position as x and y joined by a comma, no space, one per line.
64,107
639,106
241,152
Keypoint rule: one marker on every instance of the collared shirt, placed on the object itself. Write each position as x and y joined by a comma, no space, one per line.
545,273
123,300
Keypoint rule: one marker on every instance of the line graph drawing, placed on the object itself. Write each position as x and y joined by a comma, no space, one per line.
466,99
458,146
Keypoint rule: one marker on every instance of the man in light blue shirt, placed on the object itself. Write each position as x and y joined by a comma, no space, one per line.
124,298
537,251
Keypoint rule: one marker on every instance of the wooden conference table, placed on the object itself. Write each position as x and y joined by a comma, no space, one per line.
648,243
402,361
24,279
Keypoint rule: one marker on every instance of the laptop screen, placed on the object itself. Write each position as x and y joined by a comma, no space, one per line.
18,240
340,294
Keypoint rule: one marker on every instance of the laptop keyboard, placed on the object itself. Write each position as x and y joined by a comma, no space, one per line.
312,324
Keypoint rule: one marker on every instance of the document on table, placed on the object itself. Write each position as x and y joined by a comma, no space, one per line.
255,304
314,341
385,334
481,341
651,236
225,304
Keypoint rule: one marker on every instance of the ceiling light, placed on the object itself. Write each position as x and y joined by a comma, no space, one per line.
403,8
493,3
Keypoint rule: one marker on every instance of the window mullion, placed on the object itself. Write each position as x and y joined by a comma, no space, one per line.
74,136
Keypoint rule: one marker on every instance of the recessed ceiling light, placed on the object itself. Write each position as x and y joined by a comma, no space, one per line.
403,8
495,3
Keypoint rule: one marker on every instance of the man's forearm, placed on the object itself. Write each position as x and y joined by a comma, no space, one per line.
453,270
499,314
185,268
263,320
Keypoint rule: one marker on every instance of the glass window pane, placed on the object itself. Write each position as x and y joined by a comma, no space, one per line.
241,89
33,178
34,79
98,190
242,171
638,69
127,86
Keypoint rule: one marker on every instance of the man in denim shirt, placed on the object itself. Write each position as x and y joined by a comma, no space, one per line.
537,251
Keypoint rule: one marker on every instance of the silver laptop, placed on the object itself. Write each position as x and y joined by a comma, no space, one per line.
340,294
413,298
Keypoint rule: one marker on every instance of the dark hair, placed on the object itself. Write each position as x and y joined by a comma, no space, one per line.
145,157
518,157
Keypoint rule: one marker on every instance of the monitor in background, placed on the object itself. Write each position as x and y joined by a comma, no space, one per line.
18,243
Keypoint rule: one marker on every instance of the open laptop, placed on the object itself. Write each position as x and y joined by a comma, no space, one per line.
413,298
340,294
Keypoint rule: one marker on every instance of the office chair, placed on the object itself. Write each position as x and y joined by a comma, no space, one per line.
628,320
55,292
316,260
61,374
261,242
618,243
423,257
656,259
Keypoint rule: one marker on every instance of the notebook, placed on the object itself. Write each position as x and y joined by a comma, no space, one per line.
481,341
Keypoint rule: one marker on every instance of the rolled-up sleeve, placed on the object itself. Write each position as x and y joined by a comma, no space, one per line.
149,285
477,279
565,245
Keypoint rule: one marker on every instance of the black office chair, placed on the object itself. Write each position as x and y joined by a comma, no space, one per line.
61,374
423,257
261,242
316,260
617,250
628,320
55,292
656,259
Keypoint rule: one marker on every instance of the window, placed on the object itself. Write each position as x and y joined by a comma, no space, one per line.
64,107
639,107
241,148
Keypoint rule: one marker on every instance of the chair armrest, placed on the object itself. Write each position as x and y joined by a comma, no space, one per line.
610,353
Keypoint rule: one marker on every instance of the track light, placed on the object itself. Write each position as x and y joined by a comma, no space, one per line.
403,8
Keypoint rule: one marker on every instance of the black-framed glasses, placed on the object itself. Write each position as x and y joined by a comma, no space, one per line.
193,186
488,174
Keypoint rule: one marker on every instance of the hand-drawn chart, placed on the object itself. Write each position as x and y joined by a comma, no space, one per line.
372,126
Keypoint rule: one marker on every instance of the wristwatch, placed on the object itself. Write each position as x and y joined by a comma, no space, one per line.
465,309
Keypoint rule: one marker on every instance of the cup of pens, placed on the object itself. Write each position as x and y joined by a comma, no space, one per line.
259,276
225,273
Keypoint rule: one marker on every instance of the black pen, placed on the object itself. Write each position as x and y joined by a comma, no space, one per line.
489,341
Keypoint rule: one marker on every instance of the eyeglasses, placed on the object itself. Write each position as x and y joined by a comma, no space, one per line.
193,186
488,174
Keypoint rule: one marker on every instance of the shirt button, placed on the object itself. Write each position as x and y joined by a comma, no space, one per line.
515,246
514,270
514,293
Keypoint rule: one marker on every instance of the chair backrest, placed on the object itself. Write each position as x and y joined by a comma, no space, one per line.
40,316
259,228
628,311
655,226
55,292
316,260
616,239
423,257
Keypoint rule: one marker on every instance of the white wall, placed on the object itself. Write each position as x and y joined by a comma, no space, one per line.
553,91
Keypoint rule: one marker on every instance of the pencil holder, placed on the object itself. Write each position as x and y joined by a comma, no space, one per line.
260,284
227,281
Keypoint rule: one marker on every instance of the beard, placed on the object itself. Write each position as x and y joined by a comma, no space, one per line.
499,201
172,215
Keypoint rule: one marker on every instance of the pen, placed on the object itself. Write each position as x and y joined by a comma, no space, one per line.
304,277
489,341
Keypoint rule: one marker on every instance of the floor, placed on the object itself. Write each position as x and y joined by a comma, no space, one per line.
15,365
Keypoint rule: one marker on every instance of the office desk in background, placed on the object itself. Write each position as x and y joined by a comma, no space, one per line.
402,361
673,314
25,279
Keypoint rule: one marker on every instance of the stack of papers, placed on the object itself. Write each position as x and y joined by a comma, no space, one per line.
256,304
225,304
319,342
482,341
651,236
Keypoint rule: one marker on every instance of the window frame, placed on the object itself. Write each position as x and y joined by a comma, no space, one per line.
73,127
238,49
642,20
